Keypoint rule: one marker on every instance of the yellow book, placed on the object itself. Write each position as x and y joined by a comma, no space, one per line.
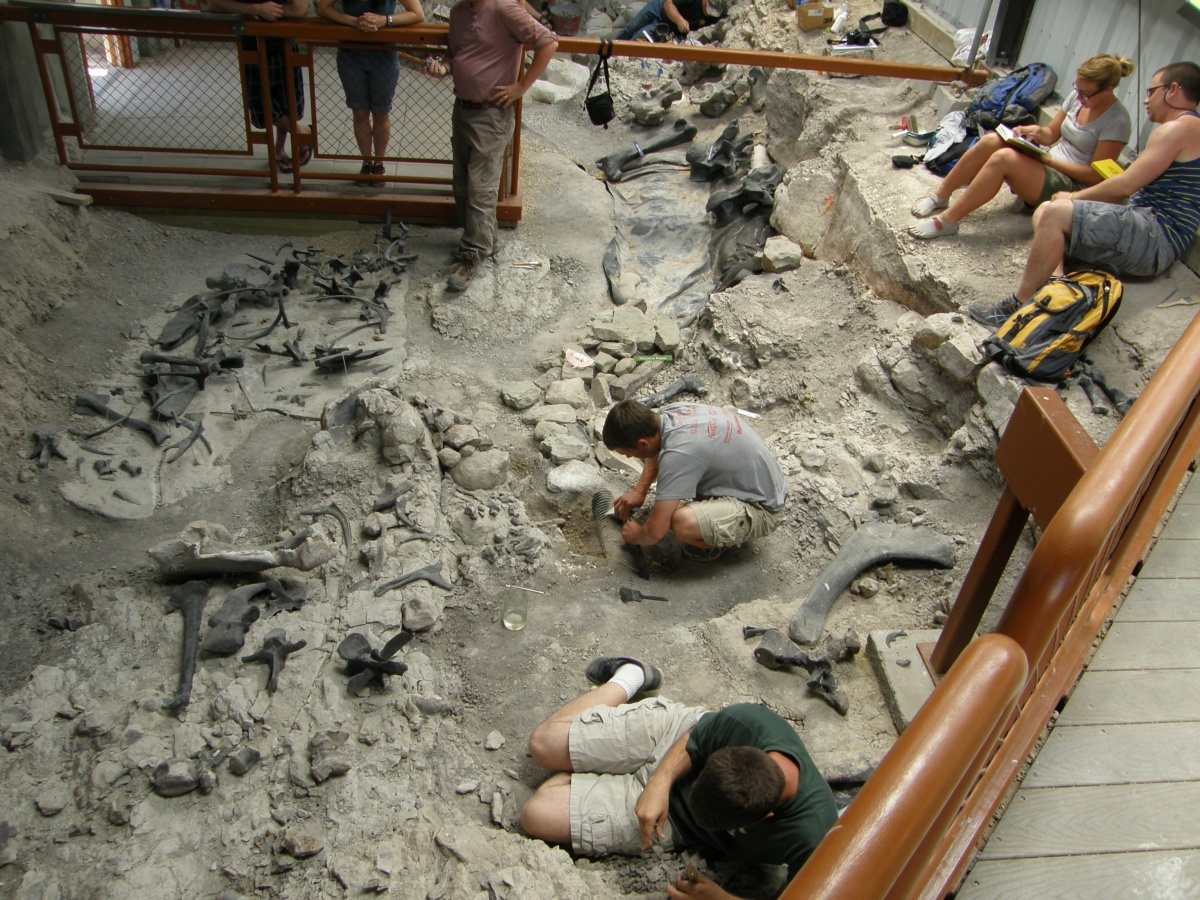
1107,168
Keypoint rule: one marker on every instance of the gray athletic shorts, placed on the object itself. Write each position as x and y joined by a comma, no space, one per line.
614,751
728,522
369,78
1127,238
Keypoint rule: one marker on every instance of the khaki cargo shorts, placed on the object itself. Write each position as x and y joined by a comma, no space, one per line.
614,751
729,522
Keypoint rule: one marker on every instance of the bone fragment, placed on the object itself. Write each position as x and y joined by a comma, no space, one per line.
431,573
687,384
872,544
203,549
275,651
189,599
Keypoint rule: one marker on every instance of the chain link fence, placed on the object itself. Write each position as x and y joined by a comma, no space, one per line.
162,93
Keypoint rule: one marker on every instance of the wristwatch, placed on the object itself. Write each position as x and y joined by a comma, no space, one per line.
389,21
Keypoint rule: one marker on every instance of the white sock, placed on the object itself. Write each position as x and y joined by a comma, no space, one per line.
629,677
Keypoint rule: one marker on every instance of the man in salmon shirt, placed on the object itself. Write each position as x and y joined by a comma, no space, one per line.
484,47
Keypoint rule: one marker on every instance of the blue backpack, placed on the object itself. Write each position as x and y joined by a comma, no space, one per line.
1026,87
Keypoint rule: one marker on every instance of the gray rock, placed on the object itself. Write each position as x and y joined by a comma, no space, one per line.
624,367
959,357
875,461
52,798
601,390
625,324
935,330
865,587
558,412
326,750
546,429
813,459
301,844
421,612
466,787
666,334
245,759
781,254
494,741
459,436
627,386
573,392
573,478
448,458
481,471
619,349
604,362
617,463
175,777
884,494
562,448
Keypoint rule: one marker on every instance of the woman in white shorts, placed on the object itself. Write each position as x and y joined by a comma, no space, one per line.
1092,126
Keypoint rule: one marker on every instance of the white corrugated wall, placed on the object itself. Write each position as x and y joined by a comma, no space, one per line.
1064,33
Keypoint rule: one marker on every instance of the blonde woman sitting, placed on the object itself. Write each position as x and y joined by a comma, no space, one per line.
1092,125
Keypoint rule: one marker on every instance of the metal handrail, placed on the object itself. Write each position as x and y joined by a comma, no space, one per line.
898,842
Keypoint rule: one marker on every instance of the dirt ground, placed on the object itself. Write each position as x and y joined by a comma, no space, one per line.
430,770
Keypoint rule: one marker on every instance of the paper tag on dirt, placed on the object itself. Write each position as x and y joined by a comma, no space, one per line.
577,358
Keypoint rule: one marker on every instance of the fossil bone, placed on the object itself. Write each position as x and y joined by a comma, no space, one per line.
872,544
275,651
189,598
229,624
431,573
204,549
365,665
97,404
688,383
47,446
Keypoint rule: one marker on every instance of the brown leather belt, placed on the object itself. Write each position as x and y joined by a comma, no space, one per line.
471,104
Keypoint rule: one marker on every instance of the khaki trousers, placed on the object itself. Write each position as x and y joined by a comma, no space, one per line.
479,138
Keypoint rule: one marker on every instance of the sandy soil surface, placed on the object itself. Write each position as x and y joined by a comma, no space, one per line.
414,788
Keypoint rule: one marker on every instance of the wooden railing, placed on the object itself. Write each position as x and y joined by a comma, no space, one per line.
913,830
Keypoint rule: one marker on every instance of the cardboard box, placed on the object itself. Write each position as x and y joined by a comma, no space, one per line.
814,16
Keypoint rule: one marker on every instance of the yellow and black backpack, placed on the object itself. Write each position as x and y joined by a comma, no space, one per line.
1044,338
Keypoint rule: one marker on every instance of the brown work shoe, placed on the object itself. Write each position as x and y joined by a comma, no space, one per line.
461,275
367,169
377,169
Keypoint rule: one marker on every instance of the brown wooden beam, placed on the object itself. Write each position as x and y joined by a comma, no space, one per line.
404,206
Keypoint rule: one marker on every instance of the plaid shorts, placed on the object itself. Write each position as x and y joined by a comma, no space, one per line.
276,83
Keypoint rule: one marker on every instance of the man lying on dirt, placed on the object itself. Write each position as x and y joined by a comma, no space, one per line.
718,485
735,784
1094,226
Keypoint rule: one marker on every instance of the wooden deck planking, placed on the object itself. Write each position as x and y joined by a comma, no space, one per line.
1118,754
1154,875
1126,698
1149,645
1162,600
1108,807
1174,558
1098,819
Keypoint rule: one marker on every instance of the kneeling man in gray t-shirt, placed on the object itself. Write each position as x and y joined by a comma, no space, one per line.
718,485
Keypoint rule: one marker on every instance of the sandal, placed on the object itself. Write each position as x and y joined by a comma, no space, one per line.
932,228
285,164
305,156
